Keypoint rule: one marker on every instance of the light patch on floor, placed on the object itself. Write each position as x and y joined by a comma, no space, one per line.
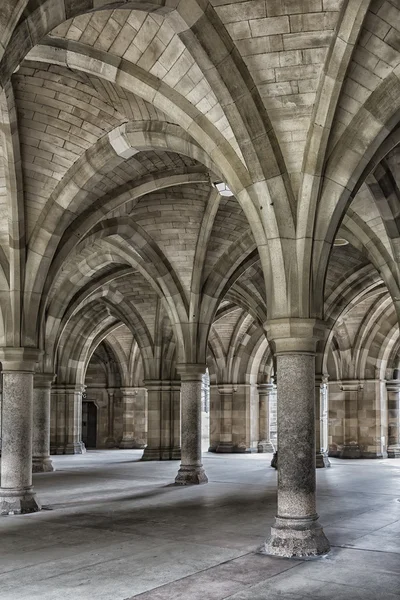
118,529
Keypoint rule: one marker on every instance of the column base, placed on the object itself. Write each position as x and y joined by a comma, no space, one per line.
161,454
18,502
188,475
264,447
176,454
351,451
322,460
110,443
75,448
131,445
224,448
393,452
296,538
42,465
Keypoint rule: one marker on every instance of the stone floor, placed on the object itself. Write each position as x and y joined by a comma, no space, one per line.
116,529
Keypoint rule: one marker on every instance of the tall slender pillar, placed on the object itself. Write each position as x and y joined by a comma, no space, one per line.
393,396
226,392
163,420
296,532
66,419
16,493
351,447
264,392
41,461
134,417
191,470
321,456
110,440
215,417
73,420
128,435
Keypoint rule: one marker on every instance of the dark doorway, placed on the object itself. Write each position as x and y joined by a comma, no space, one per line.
89,424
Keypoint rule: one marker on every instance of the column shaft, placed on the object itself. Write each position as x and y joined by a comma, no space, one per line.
16,492
321,455
215,418
351,447
73,419
296,531
225,444
393,396
264,391
41,462
191,470
163,420
110,440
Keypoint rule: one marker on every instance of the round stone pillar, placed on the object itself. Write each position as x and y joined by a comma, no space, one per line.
351,447
73,419
134,418
16,492
296,532
191,470
393,395
163,420
110,440
321,454
264,392
41,462
226,392
128,401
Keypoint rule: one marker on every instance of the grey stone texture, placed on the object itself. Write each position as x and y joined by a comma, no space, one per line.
121,261
191,470
16,492
41,461
296,532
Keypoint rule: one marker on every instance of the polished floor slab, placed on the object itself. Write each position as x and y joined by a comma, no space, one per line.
115,529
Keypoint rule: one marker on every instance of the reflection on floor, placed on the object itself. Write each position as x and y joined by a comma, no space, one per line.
118,530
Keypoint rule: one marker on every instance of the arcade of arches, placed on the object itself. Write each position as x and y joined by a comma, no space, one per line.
200,209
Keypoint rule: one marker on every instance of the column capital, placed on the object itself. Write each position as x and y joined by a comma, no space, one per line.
19,359
126,391
264,389
43,380
162,385
191,371
226,388
351,385
294,335
321,379
68,387
393,385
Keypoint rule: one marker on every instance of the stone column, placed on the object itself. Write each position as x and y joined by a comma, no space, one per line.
296,532
191,470
73,419
243,408
128,401
351,447
264,392
321,454
393,397
226,392
1,395
16,492
110,440
41,462
175,453
215,418
163,420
